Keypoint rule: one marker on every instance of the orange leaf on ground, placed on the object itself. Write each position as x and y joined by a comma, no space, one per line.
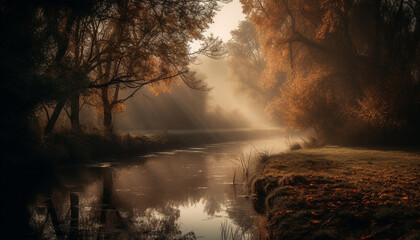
367,236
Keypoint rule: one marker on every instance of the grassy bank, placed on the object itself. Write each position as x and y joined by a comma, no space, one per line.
338,193
77,147
73,147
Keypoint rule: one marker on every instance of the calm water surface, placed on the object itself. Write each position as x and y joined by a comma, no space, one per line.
182,194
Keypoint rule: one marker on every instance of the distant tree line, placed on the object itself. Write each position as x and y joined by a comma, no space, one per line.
349,69
64,54
246,65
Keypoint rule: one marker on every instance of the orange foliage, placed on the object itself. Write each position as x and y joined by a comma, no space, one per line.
94,99
375,109
342,79
305,100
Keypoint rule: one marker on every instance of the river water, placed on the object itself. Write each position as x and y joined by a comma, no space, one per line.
181,194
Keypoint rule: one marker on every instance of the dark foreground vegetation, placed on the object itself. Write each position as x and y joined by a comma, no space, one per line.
338,193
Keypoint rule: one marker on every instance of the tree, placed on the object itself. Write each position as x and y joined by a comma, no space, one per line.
33,36
151,48
115,45
245,60
69,61
350,64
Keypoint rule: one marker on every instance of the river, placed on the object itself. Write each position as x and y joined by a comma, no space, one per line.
181,194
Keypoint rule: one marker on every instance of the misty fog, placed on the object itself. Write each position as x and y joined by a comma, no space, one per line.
226,105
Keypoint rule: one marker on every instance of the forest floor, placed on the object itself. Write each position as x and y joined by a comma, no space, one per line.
338,193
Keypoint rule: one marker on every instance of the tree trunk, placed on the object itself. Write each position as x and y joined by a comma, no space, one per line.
107,205
106,195
75,110
74,222
54,116
54,219
107,111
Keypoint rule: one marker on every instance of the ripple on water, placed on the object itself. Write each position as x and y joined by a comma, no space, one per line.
197,148
189,151
148,156
101,165
167,153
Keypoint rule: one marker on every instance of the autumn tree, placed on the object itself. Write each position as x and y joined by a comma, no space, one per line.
69,52
117,45
245,60
147,44
350,65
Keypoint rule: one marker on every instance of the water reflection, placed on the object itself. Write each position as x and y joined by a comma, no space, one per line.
185,194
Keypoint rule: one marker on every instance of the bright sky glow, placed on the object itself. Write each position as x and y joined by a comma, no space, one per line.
226,20
216,73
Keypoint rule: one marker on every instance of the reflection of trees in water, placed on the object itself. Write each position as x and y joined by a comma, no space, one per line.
57,216
240,210
136,202
244,225
160,223
214,199
241,213
178,181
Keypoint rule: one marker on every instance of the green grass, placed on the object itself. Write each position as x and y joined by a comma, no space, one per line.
339,193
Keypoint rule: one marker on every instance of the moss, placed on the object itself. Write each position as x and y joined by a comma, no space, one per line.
294,180
388,214
277,198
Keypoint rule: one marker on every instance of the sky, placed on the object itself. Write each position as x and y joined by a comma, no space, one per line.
227,19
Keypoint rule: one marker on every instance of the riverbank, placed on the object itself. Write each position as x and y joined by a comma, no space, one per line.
338,193
74,147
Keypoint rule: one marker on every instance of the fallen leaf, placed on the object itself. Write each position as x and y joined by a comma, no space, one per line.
366,236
